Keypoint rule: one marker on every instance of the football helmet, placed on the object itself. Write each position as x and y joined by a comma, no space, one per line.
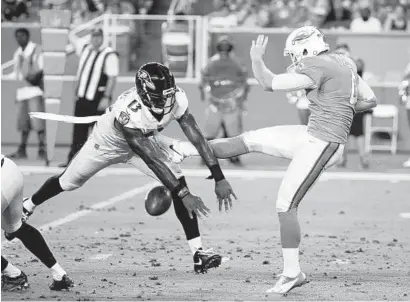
156,87
306,41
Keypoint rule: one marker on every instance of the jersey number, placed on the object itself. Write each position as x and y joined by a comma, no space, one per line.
134,106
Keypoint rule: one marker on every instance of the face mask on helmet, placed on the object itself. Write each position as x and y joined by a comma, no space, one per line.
161,104
156,88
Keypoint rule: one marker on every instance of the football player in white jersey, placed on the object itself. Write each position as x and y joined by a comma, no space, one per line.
12,278
335,92
129,133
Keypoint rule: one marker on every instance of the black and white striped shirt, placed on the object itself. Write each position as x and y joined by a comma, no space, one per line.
94,69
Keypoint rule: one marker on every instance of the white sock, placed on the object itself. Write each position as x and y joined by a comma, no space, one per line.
11,271
29,205
291,267
57,272
195,244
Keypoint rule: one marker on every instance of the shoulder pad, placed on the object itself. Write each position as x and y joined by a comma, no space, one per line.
126,94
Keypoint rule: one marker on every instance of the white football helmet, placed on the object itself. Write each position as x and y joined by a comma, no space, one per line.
306,41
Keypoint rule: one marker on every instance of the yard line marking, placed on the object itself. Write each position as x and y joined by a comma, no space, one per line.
100,256
255,174
99,205
405,215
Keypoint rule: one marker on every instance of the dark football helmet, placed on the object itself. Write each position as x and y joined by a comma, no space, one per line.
156,87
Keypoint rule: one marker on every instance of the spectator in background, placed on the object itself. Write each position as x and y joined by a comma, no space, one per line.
28,69
222,15
317,11
404,92
225,88
366,23
339,15
255,14
85,10
397,20
357,128
13,10
284,13
96,77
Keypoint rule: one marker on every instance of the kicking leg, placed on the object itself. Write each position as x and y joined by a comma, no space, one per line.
278,141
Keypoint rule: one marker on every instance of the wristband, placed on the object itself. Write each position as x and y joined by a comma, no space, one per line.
217,173
180,190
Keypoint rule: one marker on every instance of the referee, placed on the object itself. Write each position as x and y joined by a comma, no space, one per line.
96,77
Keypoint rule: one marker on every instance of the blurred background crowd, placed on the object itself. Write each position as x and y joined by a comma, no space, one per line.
374,16
354,15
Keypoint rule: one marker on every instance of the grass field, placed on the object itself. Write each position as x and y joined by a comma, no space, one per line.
356,240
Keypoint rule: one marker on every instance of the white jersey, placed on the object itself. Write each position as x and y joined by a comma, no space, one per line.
130,112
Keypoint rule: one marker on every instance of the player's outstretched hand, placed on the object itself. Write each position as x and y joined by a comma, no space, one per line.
258,48
194,204
223,191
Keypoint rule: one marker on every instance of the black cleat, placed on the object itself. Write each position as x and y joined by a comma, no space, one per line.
17,283
42,154
19,154
26,213
65,283
204,260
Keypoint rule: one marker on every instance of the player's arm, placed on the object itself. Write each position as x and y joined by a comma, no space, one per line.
143,147
366,99
270,81
262,73
191,130
223,189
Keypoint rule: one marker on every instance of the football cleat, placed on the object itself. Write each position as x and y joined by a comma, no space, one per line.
65,283
206,259
26,213
17,283
286,284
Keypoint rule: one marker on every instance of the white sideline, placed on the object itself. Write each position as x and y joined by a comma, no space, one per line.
96,206
368,176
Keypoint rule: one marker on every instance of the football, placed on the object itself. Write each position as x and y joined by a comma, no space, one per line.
158,201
